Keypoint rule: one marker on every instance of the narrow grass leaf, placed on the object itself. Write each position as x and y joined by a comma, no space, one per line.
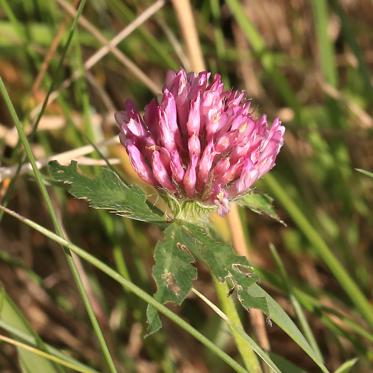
306,328
31,341
10,314
320,246
282,320
365,172
25,365
130,286
347,366
325,44
57,225
285,365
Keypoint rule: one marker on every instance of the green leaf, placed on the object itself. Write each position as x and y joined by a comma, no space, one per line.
106,191
223,263
281,319
173,273
365,172
346,366
238,273
261,204
29,362
285,365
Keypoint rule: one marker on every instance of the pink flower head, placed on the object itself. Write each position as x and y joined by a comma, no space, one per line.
200,142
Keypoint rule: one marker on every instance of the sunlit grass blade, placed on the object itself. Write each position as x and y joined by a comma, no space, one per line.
43,354
364,172
346,366
11,315
31,341
242,339
235,323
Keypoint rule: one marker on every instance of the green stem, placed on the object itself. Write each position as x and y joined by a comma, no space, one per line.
353,291
229,308
130,286
58,228
325,45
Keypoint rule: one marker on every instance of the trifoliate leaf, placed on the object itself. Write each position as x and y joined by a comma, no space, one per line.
173,273
239,275
261,204
106,191
223,263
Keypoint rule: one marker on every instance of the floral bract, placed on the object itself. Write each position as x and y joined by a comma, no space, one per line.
200,142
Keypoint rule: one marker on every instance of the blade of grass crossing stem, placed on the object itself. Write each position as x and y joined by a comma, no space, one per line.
42,354
58,228
45,102
346,282
247,354
296,305
12,315
130,286
110,225
89,135
237,329
30,340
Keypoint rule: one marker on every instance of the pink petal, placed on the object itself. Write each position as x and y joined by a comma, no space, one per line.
140,165
160,172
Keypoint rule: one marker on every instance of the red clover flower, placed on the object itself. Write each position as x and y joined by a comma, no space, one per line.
200,142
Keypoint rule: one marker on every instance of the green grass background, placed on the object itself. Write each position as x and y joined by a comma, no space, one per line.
308,62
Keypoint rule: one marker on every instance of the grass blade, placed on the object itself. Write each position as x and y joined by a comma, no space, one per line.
42,354
57,226
345,280
129,286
